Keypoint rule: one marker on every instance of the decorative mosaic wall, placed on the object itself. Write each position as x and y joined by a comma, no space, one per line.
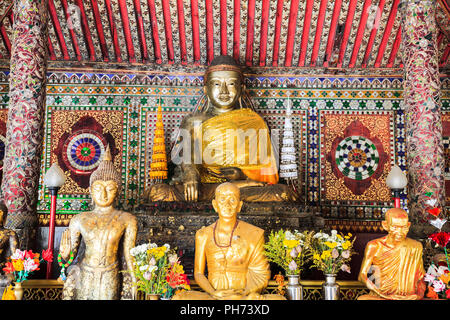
349,132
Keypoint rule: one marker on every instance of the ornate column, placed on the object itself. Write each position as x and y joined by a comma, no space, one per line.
25,124
422,109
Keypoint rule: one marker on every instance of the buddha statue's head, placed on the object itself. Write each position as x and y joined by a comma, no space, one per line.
227,201
105,182
223,82
396,223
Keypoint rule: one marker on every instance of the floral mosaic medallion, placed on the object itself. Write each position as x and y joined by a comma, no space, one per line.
78,140
356,152
357,157
83,150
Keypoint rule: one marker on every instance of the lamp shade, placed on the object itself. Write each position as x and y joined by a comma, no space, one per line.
54,177
396,179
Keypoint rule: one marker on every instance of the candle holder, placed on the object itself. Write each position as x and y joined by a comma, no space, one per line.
54,178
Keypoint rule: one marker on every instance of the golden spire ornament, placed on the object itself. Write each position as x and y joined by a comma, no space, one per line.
158,167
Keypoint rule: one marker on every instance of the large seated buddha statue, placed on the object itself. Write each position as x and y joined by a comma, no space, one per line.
223,141
232,251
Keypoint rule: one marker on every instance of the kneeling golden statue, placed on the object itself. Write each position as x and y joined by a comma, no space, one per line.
226,140
395,262
233,252
97,276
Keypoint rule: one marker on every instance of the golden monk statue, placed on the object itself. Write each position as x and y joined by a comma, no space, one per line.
96,276
395,261
225,140
232,250
8,241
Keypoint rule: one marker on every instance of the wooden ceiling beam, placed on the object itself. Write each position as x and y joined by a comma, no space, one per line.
195,31
113,29
100,32
72,34
155,33
319,29
127,30
168,30
223,27
395,46
250,32
360,33
277,34
237,30
332,33
182,32
209,31
264,32
387,33
347,30
292,26
86,31
305,32
373,33
140,30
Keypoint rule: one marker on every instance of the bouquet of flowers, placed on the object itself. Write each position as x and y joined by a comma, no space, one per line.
22,263
331,253
286,249
438,276
158,270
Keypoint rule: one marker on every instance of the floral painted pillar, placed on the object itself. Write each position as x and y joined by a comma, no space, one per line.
425,155
25,125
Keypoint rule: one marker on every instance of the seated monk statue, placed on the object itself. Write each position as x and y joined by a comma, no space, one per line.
396,262
233,252
8,241
96,276
224,141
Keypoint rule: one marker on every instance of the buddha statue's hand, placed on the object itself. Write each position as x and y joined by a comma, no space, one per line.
65,246
229,173
191,190
228,294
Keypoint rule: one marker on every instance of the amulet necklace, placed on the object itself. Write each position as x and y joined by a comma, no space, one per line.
231,237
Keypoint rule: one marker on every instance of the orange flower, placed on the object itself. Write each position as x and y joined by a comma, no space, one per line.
9,268
18,264
432,294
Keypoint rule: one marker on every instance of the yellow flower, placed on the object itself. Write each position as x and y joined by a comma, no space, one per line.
326,254
330,245
348,236
316,256
445,278
339,236
178,268
18,264
290,243
347,244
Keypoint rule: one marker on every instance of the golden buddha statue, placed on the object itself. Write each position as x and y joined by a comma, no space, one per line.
225,140
9,242
96,276
232,250
395,261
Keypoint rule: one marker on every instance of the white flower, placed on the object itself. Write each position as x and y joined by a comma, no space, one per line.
152,261
167,246
152,268
289,236
147,275
152,246
173,258
438,223
144,268
438,285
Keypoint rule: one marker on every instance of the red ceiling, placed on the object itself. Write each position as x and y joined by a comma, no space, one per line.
307,33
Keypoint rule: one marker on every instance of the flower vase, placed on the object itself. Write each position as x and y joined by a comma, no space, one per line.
18,290
330,289
152,296
293,289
